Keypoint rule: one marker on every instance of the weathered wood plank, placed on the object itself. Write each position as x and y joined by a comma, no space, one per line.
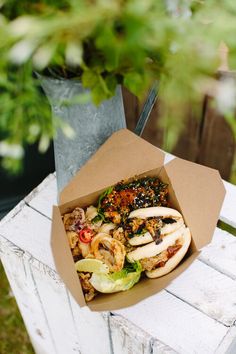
206,137
67,323
131,108
207,290
93,329
217,142
54,300
30,231
27,299
153,133
221,253
44,196
7,218
177,324
228,343
228,210
187,145
158,348
129,339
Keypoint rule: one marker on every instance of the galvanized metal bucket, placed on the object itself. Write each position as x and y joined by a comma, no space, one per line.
92,125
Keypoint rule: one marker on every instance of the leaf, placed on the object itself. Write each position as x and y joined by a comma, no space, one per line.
134,82
117,281
14,151
128,268
43,55
89,79
98,95
74,54
23,25
12,165
44,143
22,51
111,83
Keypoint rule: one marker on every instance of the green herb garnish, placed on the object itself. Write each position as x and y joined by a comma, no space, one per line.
103,195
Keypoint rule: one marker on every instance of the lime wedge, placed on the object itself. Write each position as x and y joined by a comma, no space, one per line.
91,266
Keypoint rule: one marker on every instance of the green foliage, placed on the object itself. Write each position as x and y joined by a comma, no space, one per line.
128,268
103,43
25,115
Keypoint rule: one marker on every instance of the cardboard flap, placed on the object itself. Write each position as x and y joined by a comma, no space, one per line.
63,257
131,153
202,188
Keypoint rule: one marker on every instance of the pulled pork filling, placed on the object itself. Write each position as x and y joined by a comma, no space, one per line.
137,226
161,259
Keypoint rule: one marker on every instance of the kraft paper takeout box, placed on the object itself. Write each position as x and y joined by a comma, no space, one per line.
196,191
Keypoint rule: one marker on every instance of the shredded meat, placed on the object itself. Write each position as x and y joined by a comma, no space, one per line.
159,260
152,225
136,223
119,235
88,289
152,262
140,226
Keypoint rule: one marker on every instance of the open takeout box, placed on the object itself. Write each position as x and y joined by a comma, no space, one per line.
196,191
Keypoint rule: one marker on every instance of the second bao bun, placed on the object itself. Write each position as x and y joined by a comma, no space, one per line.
172,235
175,260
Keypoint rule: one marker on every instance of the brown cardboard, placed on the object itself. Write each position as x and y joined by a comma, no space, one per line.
196,191
123,155
203,187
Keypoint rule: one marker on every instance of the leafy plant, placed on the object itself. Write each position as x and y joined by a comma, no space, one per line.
103,43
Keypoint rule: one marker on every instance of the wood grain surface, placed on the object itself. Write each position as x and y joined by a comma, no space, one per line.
206,137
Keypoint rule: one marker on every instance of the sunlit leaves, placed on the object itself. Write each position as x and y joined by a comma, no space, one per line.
104,43
74,54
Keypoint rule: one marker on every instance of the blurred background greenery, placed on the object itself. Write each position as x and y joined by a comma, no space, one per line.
102,43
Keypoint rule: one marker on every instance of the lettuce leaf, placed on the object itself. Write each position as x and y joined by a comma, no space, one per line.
118,281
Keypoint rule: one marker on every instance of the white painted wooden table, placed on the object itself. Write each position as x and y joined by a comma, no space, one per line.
195,314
